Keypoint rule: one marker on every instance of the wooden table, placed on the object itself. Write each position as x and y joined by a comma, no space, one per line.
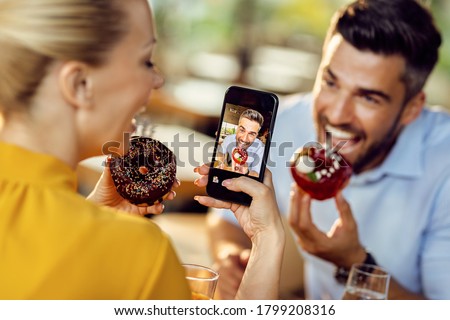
189,236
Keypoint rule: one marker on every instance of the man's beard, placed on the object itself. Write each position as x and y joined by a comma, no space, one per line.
379,148
376,150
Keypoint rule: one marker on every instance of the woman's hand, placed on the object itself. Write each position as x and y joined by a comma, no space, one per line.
261,216
105,194
261,222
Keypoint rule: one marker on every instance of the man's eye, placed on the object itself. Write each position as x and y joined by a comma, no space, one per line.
329,83
371,99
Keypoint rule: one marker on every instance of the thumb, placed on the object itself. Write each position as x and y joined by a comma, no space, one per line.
247,185
106,178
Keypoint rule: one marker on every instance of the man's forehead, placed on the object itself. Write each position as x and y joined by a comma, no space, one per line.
363,69
248,122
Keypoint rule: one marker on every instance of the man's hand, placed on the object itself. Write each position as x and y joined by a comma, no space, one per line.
340,245
105,194
240,168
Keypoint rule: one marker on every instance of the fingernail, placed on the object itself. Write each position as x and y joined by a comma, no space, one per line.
196,198
179,182
162,207
226,183
174,194
196,182
195,169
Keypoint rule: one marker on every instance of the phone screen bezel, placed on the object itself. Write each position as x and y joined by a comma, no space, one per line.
261,101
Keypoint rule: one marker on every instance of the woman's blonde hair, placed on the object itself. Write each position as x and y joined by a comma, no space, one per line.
33,33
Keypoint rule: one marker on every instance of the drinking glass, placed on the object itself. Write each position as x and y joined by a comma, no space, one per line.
202,281
367,282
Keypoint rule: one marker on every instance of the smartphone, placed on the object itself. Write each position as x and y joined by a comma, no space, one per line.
242,140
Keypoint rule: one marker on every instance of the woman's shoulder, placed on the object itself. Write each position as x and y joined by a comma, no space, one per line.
82,218
117,223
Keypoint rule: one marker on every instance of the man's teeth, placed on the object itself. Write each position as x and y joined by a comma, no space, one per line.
339,134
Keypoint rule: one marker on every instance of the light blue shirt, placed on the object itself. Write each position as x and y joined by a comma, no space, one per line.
402,207
255,151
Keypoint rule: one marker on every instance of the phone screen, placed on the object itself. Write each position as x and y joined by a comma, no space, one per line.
243,138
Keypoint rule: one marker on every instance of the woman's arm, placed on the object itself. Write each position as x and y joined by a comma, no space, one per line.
261,222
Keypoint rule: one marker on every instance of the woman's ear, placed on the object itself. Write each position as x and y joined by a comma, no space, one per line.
75,84
413,108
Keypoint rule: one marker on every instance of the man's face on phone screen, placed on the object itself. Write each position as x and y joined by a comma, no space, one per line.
246,133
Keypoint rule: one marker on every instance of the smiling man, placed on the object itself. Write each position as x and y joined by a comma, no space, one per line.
369,98
245,138
360,98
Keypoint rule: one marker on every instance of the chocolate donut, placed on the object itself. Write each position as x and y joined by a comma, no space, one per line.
146,173
320,173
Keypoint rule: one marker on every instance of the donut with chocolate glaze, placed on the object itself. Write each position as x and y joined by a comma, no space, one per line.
146,173
320,173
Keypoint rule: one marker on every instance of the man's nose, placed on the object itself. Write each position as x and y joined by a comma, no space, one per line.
341,110
246,137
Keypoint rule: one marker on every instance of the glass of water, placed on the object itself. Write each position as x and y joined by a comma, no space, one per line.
202,281
367,282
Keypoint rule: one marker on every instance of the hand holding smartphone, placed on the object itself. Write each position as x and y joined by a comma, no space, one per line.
243,140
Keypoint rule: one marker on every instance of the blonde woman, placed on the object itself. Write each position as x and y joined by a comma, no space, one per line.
73,74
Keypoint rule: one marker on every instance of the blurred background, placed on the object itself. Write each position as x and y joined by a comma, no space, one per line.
204,46
275,45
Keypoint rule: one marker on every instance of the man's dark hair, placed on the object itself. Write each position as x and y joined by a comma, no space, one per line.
392,27
252,115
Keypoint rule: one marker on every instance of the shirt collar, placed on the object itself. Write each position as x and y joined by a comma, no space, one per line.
22,165
405,159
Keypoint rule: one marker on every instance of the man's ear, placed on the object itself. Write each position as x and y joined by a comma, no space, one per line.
413,108
75,84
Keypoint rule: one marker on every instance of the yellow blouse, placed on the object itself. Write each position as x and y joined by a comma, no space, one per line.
54,244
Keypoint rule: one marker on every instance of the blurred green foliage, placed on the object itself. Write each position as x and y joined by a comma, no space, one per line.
237,26
441,11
